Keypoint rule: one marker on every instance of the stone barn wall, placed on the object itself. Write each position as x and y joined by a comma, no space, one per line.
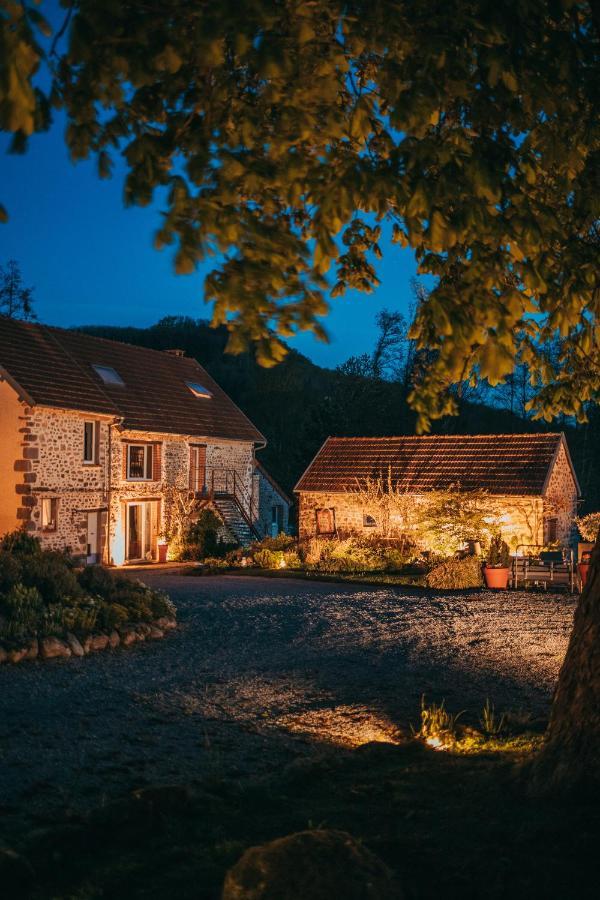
520,518
562,496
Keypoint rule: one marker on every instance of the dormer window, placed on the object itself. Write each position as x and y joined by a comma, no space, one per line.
108,375
198,390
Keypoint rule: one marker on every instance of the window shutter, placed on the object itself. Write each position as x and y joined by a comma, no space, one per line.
193,459
156,462
97,442
124,462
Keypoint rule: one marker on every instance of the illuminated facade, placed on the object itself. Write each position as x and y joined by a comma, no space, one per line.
529,484
102,444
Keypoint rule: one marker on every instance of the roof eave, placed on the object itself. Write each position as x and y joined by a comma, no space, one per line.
297,489
22,394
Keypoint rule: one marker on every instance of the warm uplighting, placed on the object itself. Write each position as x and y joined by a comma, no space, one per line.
118,543
436,743
345,726
282,563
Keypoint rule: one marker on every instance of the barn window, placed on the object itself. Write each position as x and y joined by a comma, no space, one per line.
369,521
325,521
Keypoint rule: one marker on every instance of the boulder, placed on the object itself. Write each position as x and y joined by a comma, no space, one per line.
128,635
3,655
53,648
95,642
155,633
166,623
74,645
143,629
33,649
16,654
113,639
310,865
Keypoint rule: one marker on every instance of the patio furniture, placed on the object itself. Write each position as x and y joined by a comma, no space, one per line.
533,566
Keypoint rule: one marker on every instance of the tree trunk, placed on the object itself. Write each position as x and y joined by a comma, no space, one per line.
570,758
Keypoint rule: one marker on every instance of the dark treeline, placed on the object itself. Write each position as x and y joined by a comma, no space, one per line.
298,404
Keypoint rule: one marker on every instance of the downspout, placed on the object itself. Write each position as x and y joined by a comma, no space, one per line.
255,500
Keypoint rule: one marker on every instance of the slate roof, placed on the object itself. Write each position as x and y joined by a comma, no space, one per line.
515,464
53,367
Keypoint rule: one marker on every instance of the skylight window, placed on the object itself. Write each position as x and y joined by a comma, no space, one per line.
108,375
198,390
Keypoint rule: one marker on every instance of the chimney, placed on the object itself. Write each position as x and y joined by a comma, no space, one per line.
176,352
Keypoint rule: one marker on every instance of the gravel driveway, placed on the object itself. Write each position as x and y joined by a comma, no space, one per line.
258,672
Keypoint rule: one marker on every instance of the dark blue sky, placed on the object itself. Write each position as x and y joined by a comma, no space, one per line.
92,261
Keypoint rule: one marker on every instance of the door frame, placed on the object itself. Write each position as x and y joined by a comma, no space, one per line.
142,502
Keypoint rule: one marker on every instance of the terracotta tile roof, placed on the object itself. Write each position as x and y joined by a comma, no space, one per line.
53,367
514,464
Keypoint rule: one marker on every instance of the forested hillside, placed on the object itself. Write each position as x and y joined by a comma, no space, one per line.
298,404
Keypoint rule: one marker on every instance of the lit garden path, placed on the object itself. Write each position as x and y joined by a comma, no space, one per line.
259,672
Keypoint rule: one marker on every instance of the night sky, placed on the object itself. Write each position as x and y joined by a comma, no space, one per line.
91,260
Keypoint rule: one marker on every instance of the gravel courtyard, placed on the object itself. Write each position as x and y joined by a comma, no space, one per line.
259,672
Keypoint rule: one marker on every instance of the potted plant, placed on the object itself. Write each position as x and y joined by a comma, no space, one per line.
588,527
496,569
163,547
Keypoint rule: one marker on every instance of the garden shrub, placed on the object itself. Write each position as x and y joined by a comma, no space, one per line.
355,554
51,573
267,559
201,538
10,570
456,574
43,593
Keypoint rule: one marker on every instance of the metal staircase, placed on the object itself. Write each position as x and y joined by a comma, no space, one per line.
234,520
226,490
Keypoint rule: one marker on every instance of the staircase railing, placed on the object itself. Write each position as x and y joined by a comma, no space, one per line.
228,483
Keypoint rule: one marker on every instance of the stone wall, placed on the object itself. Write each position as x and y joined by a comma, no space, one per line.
520,518
561,496
269,496
42,456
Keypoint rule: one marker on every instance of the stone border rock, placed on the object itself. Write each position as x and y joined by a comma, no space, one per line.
62,648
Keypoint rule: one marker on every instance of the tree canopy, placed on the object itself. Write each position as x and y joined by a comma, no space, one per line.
286,134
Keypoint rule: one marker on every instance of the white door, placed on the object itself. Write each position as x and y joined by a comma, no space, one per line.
93,538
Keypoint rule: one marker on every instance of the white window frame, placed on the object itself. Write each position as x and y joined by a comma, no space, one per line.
93,461
48,522
148,457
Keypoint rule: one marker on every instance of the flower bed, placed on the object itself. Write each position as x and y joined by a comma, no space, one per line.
50,608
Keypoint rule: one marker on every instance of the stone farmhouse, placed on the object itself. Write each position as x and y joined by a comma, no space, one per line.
104,446
531,489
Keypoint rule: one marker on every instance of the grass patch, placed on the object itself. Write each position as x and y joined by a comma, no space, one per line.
451,824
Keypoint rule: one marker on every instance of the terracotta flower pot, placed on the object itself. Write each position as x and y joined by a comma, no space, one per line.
163,549
496,577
